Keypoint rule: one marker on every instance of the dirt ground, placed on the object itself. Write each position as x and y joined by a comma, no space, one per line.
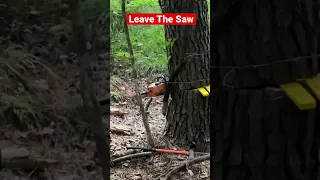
45,136
130,120
42,133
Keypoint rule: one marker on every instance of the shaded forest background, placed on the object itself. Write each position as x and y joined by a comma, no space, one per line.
43,133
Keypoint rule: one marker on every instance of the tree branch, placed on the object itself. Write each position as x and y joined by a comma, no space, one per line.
189,163
130,156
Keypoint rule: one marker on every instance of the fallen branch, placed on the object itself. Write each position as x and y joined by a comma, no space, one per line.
124,158
124,153
29,164
19,77
118,131
21,158
117,112
184,165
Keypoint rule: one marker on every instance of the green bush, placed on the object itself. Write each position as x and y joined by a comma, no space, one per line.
148,41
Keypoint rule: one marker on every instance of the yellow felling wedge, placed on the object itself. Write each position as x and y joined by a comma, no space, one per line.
314,85
205,91
299,96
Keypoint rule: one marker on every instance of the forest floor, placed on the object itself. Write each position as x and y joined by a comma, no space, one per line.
42,133
55,153
128,118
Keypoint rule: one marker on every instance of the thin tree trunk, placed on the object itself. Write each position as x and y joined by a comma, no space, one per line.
135,79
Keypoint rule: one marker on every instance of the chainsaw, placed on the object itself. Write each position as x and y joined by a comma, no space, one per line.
158,88
155,89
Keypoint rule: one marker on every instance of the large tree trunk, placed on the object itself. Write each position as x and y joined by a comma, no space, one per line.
260,133
188,112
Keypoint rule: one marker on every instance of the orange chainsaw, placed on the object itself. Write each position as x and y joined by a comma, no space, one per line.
156,89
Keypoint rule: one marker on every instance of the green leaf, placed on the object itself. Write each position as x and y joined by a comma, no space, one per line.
138,54
120,54
167,43
22,105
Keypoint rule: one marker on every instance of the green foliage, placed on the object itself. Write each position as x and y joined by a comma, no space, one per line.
148,41
115,97
22,110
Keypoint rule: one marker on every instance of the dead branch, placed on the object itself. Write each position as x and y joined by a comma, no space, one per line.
28,164
21,158
120,130
134,74
117,112
189,163
124,153
19,77
127,157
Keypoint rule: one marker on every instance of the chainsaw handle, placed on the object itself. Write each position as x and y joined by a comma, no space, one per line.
161,78
144,94
183,152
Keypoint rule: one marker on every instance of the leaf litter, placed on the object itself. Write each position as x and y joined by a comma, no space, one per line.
145,168
42,134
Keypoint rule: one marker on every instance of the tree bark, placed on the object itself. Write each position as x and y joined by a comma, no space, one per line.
259,132
279,36
188,112
265,136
